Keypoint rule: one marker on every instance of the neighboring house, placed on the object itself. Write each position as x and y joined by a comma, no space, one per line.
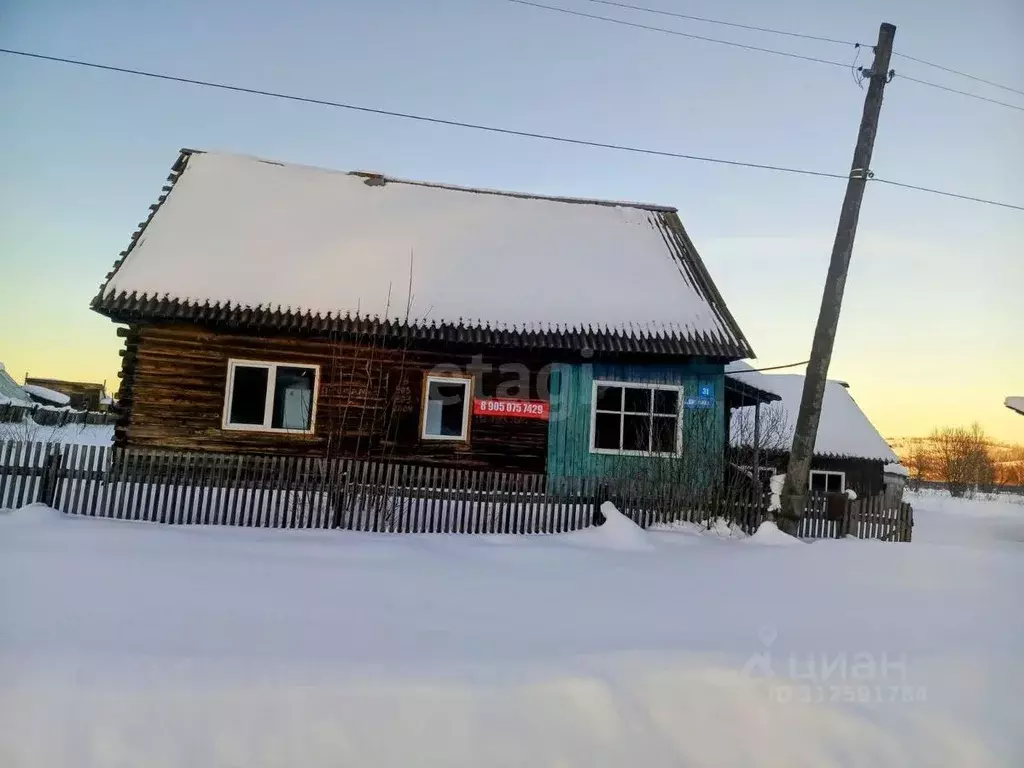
80,395
283,309
849,453
1015,404
894,478
12,393
46,396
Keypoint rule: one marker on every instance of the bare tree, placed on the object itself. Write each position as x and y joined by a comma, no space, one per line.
920,463
963,462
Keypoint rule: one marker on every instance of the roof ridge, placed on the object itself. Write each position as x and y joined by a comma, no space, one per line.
384,178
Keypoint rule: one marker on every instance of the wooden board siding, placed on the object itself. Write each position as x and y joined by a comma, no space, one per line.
864,476
173,386
569,451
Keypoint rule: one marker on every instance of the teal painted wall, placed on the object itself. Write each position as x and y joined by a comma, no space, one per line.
569,428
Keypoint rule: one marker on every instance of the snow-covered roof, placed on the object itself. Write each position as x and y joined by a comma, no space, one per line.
1015,404
11,393
46,394
843,430
896,469
243,233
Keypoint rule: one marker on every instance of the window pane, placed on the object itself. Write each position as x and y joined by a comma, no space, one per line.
663,434
293,397
609,399
607,431
666,401
638,400
818,482
248,395
834,483
636,433
446,407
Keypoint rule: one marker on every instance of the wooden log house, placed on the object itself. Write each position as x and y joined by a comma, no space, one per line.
281,309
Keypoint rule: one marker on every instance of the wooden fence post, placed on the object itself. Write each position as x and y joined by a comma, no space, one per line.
51,474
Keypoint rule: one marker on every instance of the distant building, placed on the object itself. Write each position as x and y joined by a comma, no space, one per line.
849,453
79,395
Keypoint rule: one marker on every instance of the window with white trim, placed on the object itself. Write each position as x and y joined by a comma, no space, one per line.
446,401
636,419
826,481
270,397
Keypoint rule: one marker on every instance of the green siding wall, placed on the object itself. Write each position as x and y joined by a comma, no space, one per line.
569,429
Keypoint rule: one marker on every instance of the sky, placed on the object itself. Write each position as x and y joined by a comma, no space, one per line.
932,328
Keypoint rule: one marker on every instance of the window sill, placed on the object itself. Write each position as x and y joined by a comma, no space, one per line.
260,429
646,454
445,438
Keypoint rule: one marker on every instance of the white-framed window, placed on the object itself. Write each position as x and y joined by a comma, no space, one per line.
446,407
634,419
262,396
826,481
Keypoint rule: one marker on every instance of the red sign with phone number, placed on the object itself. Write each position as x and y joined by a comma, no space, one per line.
511,408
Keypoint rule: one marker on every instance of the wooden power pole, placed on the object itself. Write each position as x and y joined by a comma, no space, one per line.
794,491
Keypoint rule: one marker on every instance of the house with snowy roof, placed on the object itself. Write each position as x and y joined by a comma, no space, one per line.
849,453
283,309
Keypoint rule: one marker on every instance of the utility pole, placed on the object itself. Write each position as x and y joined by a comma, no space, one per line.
794,491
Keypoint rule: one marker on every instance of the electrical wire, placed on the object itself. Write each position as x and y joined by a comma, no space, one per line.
769,368
677,33
803,36
908,57
707,20
482,127
1011,206
962,93
426,119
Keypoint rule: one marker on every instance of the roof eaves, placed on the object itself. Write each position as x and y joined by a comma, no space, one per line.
176,171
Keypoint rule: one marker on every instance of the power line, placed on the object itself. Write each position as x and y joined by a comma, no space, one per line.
962,93
958,72
1011,206
677,33
769,368
481,127
802,36
707,20
424,118
760,49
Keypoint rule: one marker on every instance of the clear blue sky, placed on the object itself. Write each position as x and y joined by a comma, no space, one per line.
931,332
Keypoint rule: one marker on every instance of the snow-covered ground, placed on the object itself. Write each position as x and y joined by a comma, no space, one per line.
125,644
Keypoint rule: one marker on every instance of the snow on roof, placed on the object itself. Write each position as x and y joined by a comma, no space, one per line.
743,372
1015,404
11,392
253,233
896,469
843,430
49,395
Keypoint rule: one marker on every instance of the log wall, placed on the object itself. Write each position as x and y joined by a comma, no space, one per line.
369,399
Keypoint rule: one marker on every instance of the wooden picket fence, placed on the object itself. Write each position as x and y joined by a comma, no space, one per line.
187,488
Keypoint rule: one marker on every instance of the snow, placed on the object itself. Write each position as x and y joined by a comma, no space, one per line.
896,469
1016,403
44,393
775,485
11,393
851,494
69,434
843,430
768,533
136,644
263,234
